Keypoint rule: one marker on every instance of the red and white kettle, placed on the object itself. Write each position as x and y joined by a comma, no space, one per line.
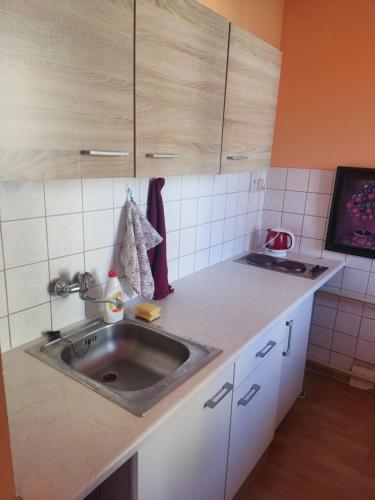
279,241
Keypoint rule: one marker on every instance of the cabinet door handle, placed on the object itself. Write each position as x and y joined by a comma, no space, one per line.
219,396
162,155
237,157
96,152
289,324
249,395
266,349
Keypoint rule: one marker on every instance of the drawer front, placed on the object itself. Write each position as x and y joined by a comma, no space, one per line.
253,420
258,351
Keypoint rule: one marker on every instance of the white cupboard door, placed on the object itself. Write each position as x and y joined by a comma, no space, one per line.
253,420
187,458
181,60
297,329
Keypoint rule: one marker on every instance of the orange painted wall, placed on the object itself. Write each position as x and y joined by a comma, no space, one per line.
326,110
6,471
261,17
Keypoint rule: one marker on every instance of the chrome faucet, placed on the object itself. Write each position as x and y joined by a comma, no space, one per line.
80,284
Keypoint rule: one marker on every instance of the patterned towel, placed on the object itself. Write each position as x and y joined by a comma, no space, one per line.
139,236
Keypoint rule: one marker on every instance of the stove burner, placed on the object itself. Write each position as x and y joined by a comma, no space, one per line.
292,265
261,259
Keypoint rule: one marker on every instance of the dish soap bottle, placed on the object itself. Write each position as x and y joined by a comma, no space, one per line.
113,291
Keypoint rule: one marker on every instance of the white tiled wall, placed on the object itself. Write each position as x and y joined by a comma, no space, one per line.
343,322
53,229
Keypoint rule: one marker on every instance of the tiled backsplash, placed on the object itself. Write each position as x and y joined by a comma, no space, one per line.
56,228
343,323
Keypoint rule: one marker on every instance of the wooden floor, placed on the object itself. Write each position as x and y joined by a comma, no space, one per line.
323,450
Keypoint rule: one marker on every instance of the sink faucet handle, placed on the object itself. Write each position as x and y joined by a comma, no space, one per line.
86,280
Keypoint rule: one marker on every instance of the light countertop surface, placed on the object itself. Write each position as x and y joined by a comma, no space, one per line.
66,439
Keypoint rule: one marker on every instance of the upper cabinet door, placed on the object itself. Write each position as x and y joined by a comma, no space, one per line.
250,103
181,57
66,87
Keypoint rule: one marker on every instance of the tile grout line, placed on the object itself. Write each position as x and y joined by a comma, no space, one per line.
48,255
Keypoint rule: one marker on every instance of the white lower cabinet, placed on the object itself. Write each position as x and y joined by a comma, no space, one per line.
187,458
253,420
297,328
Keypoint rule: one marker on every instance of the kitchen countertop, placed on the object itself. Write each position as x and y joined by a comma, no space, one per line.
66,439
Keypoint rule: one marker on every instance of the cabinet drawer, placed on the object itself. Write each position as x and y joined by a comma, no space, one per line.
257,351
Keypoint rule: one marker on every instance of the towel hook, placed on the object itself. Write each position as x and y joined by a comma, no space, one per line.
129,193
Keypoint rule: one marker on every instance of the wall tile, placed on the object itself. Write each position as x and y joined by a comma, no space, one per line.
336,280
65,235
99,262
66,267
244,181
242,202
32,281
220,184
217,232
350,305
63,196
189,210
297,179
294,202
253,202
186,265
233,183
344,344
171,190
292,222
316,353
313,227
1,252
347,323
97,194
274,200
371,284
365,351
4,335
21,200
324,316
204,210
120,188
340,361
228,249
215,254
218,206
203,236
240,226
29,324
321,336
277,178
317,204
201,259
118,224
231,205
143,190
24,242
3,298
271,219
369,310
367,330
229,229
98,229
358,262
205,185
355,280
321,181
326,299
66,311
173,245
251,220
311,246
240,245
187,241
172,214
173,270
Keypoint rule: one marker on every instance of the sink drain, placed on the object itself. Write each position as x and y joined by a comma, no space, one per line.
109,377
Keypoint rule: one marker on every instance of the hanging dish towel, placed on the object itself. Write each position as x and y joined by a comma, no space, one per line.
158,255
139,236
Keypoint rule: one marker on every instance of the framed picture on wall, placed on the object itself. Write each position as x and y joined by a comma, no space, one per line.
351,226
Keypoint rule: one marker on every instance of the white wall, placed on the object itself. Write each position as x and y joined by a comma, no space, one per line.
56,228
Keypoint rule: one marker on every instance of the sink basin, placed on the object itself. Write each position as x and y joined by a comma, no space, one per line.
131,363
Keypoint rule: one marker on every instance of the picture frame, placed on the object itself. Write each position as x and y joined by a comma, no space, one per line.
351,225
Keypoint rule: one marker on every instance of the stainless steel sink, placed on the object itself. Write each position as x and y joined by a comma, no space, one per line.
131,363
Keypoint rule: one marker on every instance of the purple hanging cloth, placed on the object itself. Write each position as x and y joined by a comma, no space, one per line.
158,255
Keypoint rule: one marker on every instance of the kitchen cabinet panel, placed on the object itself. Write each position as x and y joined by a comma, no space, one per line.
297,328
250,102
181,57
66,86
253,420
187,458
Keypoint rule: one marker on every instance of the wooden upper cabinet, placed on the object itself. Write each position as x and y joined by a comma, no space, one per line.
250,104
181,57
66,86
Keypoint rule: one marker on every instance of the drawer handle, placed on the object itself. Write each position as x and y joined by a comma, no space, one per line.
290,325
266,349
162,155
95,152
219,396
237,157
255,388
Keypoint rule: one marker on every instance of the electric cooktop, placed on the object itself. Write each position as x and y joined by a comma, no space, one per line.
282,265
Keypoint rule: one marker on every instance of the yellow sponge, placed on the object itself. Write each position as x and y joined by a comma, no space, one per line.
146,311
